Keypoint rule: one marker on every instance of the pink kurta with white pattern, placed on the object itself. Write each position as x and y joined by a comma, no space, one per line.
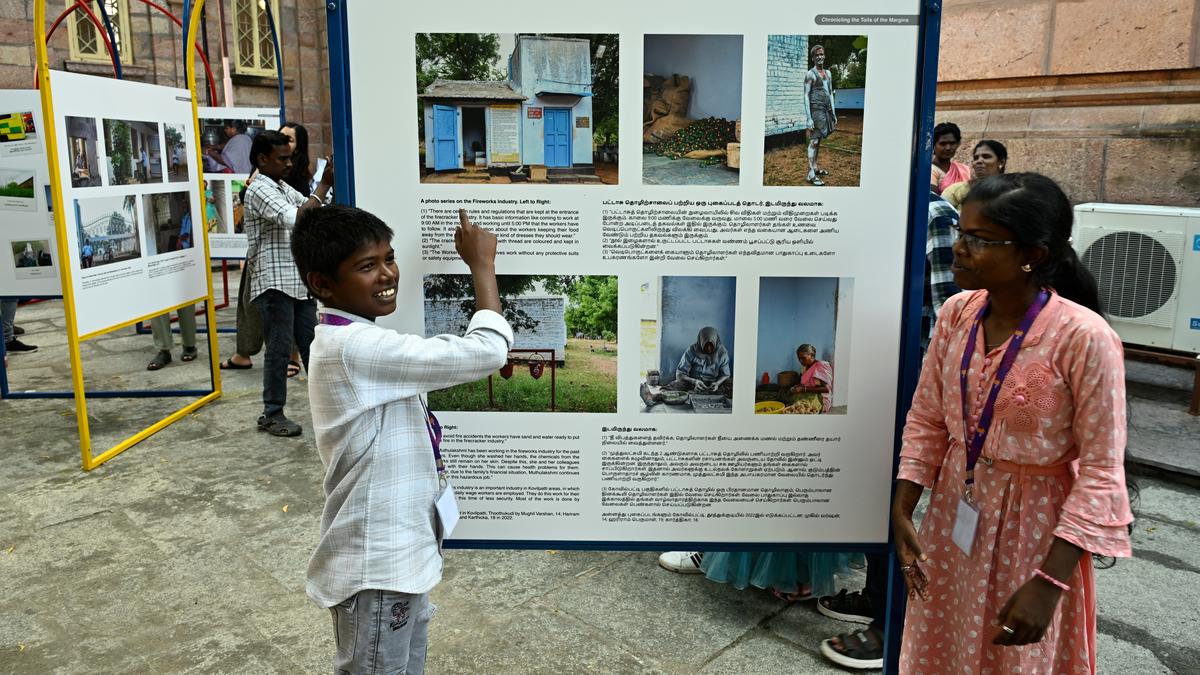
1063,401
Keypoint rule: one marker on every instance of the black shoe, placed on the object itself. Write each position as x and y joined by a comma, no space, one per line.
15,346
17,330
278,425
846,606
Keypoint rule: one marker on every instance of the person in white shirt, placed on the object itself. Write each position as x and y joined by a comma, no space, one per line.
386,490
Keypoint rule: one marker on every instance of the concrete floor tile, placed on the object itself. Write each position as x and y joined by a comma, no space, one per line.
505,578
763,654
663,604
530,639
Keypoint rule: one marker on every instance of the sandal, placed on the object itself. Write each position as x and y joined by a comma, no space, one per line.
228,364
189,354
159,361
278,425
805,593
822,172
816,181
861,649
293,369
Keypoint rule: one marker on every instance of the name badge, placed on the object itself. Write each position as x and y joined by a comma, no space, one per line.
447,510
966,520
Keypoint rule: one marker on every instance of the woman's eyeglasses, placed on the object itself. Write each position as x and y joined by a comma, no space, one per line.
977,244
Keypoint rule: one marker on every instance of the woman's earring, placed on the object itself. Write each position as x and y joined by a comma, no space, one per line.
1026,268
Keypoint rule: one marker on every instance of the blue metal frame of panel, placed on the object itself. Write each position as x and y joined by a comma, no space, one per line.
929,32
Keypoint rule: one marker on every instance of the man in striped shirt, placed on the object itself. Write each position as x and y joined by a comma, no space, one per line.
289,315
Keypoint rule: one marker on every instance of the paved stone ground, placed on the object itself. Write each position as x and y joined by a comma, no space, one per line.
187,554
666,171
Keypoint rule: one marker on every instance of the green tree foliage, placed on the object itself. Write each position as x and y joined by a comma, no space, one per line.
846,57
461,287
174,138
592,309
591,300
454,56
120,151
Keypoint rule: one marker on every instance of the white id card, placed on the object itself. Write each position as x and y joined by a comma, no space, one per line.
966,519
447,510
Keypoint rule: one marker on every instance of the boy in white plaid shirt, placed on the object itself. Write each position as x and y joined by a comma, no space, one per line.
379,552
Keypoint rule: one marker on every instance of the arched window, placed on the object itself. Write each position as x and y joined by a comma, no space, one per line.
86,42
253,49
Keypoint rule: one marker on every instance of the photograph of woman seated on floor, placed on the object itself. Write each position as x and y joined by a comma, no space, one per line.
687,344
803,327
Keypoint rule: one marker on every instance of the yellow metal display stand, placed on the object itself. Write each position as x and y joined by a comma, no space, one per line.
91,459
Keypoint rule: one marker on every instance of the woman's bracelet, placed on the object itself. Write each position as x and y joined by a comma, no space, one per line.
1063,587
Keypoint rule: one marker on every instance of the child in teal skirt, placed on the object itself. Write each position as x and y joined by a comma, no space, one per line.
789,575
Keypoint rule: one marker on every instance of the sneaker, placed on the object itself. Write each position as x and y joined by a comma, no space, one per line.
861,649
15,346
683,562
17,330
278,425
854,607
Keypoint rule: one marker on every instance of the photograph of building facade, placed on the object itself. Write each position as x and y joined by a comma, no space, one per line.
541,114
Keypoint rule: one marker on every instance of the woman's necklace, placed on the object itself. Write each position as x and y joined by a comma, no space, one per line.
989,346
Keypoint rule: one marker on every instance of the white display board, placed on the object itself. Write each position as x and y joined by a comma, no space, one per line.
29,265
130,195
226,159
758,253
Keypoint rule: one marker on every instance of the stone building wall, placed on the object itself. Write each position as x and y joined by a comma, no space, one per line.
446,316
787,63
1102,96
157,57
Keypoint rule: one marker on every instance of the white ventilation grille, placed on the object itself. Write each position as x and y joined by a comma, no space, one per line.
1137,272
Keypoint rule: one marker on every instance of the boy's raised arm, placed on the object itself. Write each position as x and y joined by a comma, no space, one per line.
477,247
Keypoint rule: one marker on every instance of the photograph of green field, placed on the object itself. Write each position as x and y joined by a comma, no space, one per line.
547,371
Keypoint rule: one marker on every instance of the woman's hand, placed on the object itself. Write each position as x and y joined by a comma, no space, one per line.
1027,613
908,549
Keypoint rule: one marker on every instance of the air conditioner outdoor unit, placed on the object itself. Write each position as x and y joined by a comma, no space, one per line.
1146,260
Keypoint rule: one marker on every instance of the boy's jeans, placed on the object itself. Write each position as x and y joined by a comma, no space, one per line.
381,632
285,319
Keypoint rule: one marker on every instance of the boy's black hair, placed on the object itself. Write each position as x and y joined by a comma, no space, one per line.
264,143
325,236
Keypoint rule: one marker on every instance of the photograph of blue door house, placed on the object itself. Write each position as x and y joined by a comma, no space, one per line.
534,125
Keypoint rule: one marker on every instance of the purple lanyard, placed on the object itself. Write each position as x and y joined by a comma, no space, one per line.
333,320
431,422
435,438
975,442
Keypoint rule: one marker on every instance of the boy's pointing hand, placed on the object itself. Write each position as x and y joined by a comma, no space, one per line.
475,245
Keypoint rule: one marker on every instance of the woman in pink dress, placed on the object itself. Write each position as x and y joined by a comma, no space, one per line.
1018,425
817,377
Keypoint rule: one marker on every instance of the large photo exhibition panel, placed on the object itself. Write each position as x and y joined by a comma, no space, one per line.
683,264
29,266
225,138
130,197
